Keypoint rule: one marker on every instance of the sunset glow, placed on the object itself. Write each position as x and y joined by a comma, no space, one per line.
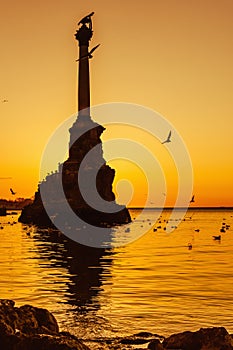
174,57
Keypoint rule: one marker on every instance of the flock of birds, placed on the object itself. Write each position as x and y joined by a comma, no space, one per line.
27,228
225,227
11,223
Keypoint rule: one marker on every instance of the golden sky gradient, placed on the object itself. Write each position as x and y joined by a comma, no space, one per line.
173,56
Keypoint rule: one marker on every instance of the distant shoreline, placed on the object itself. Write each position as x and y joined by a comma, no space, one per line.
13,207
17,204
181,208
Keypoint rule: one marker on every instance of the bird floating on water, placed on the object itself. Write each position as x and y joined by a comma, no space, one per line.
168,138
217,238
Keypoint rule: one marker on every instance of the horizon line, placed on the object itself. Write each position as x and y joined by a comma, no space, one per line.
184,208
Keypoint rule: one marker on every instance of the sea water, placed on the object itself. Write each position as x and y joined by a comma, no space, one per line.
162,283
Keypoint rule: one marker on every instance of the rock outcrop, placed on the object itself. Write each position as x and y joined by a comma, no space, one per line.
216,338
32,328
93,167
155,345
2,211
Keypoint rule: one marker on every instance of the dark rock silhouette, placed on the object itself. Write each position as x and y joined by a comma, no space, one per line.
84,140
216,338
26,319
2,211
32,328
28,327
69,170
155,345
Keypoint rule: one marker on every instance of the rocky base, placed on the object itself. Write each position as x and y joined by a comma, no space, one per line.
32,328
36,215
97,178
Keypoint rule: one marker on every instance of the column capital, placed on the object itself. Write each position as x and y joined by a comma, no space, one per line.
83,35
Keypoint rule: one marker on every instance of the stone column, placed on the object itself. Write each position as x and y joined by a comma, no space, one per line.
83,35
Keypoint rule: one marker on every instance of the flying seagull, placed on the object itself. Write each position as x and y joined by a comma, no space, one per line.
86,19
4,101
89,55
192,200
12,192
168,138
5,178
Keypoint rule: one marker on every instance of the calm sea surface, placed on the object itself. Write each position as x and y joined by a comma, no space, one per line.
154,284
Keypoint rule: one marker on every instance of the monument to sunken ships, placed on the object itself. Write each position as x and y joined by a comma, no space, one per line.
84,137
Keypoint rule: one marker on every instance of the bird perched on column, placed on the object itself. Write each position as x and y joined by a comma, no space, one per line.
86,19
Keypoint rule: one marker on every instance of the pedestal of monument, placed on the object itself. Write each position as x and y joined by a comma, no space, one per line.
36,214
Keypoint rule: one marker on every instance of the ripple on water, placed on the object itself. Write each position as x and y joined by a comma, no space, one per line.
154,284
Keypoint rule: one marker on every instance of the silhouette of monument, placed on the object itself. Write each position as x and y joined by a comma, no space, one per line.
84,138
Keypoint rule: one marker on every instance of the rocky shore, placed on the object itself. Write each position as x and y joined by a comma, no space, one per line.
32,328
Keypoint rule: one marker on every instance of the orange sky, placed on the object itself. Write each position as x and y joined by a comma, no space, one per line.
173,56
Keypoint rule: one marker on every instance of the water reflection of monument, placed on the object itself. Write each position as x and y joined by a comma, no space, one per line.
84,139
85,268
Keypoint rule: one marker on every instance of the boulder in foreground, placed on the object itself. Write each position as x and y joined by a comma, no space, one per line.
32,328
216,338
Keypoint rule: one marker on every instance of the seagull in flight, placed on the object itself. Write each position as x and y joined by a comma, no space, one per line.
4,101
192,200
5,178
89,55
12,192
168,138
